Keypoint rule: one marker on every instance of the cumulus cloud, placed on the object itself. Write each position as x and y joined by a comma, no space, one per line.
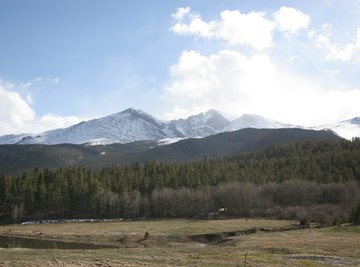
236,84
181,13
214,79
190,23
234,27
50,121
237,28
14,110
291,20
252,28
17,115
348,52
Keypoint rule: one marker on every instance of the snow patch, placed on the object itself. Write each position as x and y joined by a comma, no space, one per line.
168,141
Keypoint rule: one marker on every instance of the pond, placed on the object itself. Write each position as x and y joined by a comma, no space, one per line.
35,243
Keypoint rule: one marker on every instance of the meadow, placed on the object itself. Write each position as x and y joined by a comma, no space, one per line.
180,242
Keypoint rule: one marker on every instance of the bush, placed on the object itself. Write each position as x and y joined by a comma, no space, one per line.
146,235
303,217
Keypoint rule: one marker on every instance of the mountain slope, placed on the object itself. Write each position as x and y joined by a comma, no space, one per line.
346,129
200,125
230,143
124,127
15,159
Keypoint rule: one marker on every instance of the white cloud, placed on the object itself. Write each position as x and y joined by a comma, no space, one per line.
17,116
14,110
222,81
37,80
181,13
252,28
50,121
25,85
348,52
211,81
189,23
29,99
291,20
236,84
178,112
234,27
54,80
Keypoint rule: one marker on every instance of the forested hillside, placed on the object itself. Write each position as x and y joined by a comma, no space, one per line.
315,180
15,159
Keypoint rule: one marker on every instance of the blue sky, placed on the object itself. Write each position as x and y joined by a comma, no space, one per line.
66,61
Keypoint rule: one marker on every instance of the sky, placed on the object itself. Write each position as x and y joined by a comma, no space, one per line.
65,61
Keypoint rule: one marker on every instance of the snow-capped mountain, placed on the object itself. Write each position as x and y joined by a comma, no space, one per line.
200,125
135,125
255,121
124,127
346,129
13,138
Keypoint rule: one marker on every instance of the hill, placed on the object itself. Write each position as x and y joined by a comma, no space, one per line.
15,159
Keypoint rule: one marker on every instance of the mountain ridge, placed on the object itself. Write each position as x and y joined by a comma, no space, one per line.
132,125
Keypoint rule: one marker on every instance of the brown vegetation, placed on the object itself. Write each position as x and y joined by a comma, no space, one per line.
334,246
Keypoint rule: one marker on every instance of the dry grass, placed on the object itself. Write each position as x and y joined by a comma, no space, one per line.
310,247
113,231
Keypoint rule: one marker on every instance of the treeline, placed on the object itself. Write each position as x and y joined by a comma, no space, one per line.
306,201
319,175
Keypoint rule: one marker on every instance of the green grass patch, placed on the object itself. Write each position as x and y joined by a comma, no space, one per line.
276,250
351,229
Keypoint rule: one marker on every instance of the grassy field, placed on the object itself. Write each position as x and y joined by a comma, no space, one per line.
168,244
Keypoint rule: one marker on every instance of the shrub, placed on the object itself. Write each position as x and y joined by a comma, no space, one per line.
146,235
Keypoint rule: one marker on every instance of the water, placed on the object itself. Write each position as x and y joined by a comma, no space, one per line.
35,243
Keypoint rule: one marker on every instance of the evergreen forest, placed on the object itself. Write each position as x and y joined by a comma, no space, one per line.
310,181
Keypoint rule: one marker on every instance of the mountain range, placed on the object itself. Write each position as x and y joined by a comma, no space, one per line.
133,125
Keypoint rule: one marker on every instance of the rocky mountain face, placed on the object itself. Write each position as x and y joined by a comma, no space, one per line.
124,127
201,125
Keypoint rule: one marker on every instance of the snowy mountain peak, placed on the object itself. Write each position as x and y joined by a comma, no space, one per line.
212,112
131,111
255,121
200,125
124,127
132,125
136,114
